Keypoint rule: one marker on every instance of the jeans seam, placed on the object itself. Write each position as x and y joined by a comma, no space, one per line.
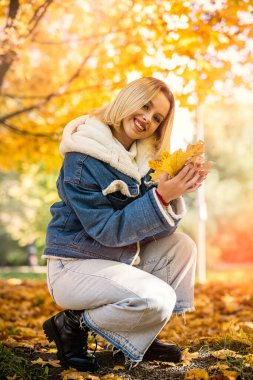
110,336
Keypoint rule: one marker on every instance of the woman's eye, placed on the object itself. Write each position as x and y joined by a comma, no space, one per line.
145,107
157,119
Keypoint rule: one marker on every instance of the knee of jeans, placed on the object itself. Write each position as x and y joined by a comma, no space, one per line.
162,302
188,246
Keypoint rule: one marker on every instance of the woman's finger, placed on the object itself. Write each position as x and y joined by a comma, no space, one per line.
185,172
192,189
163,177
193,181
192,173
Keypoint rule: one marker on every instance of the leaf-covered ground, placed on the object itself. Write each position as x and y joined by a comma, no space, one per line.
217,339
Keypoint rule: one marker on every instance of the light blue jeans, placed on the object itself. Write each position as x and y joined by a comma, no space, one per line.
129,305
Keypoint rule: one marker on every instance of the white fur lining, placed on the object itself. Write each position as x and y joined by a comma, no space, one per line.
91,136
118,185
179,208
136,260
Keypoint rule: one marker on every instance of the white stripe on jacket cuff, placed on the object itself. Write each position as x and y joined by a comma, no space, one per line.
164,210
176,209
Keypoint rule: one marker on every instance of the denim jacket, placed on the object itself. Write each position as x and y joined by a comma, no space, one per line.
104,213
87,224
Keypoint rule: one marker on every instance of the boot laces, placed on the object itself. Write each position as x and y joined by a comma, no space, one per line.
96,342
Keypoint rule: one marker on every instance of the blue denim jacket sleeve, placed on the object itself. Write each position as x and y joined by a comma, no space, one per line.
115,228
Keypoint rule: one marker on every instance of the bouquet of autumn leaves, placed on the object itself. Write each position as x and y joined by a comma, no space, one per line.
172,163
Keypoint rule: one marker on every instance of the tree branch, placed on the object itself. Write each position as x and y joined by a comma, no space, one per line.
13,9
54,94
38,15
97,86
23,132
7,59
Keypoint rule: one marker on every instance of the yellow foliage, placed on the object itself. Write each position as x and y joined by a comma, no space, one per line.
57,69
25,305
172,163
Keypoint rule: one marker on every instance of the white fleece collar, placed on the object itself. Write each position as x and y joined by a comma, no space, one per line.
90,136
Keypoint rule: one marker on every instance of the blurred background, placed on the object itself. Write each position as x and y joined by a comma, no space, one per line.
60,59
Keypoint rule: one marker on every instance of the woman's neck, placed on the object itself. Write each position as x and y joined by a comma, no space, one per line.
123,139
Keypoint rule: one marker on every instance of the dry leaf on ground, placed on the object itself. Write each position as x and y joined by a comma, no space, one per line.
196,374
53,363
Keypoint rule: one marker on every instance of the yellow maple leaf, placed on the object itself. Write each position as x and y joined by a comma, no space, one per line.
220,366
110,376
223,354
196,374
189,355
118,367
172,163
231,375
248,360
164,364
73,374
53,363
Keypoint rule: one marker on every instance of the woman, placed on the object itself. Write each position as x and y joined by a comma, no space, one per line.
115,261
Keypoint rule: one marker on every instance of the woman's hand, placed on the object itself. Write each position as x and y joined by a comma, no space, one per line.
186,181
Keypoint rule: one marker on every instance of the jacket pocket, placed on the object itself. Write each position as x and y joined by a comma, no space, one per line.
118,200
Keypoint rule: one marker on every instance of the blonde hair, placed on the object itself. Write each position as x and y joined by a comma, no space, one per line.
133,97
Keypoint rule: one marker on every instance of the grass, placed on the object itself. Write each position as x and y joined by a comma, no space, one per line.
11,364
22,276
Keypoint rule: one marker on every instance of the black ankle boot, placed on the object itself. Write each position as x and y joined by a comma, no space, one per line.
165,352
71,340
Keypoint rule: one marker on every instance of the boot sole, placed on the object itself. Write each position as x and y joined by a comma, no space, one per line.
52,335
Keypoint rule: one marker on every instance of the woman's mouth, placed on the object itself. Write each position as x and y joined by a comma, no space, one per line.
138,126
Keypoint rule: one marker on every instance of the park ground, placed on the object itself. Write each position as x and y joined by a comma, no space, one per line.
216,339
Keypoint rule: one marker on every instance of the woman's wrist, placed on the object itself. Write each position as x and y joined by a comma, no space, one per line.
161,199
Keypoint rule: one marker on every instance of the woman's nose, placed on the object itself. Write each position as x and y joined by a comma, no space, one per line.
147,117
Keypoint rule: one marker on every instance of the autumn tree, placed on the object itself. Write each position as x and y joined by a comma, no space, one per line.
59,59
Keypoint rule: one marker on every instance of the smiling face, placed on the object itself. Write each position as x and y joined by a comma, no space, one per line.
143,122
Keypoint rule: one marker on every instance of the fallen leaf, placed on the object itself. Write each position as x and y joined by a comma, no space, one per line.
110,376
196,374
73,374
247,327
164,364
248,360
223,354
52,363
231,375
189,355
118,367
220,366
